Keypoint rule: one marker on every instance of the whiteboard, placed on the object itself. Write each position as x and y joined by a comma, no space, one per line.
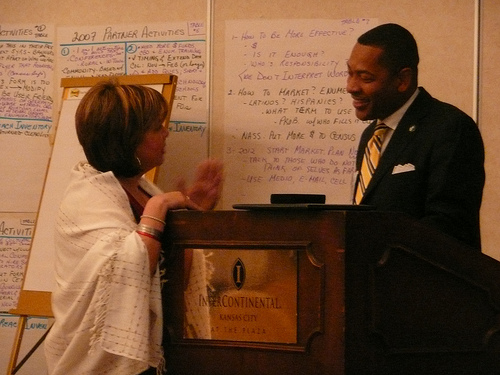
65,154
289,122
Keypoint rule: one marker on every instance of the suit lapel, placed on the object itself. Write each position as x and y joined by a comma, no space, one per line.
403,135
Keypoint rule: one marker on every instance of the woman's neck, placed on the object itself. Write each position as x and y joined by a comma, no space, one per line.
131,185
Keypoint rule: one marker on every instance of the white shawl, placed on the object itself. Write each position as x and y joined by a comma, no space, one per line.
107,307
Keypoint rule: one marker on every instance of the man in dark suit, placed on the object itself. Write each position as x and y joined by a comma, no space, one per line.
432,156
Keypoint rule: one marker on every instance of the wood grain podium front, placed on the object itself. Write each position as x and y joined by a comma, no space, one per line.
309,291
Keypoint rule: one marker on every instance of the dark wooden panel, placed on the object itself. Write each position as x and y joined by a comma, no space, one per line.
418,302
318,239
378,294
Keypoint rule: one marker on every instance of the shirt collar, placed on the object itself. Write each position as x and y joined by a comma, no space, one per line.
393,120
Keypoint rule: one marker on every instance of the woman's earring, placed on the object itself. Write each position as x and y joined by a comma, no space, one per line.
138,161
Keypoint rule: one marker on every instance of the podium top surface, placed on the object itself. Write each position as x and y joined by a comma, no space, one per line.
301,206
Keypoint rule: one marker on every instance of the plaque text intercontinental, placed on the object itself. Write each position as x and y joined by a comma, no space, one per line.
241,295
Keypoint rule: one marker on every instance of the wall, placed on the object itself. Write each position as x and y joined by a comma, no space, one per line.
445,32
489,113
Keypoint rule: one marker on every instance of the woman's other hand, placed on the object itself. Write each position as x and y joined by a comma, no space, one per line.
207,186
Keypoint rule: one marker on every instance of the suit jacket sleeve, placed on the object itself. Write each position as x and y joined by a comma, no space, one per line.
455,182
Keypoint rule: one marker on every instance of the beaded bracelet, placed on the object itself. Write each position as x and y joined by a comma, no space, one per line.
154,218
150,232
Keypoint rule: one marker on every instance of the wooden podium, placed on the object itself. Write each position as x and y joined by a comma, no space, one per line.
370,293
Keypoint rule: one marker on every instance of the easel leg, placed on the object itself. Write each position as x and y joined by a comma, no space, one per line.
16,347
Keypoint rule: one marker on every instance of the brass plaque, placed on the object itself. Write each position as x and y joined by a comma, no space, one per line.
241,295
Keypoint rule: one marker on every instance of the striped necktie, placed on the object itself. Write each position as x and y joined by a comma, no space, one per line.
370,160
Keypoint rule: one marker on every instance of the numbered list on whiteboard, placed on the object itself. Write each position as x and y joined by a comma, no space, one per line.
289,122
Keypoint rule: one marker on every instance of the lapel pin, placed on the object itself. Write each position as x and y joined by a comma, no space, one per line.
412,128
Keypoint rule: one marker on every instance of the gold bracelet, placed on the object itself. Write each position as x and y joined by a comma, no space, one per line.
149,232
154,218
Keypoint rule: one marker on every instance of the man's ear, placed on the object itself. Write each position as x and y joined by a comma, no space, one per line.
405,76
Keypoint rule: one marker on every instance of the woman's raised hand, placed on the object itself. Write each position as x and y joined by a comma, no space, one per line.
207,186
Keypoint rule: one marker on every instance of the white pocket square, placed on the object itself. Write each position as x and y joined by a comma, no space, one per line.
408,167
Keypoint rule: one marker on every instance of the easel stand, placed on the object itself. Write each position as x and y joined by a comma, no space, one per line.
30,304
